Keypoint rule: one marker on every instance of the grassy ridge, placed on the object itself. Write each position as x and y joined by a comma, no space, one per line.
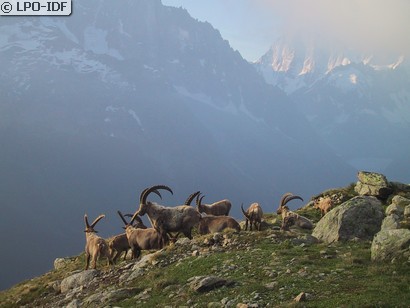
268,268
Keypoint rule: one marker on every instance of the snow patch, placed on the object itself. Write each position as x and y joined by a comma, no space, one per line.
95,41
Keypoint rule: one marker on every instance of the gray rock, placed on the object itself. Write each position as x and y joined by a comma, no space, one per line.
395,209
406,212
391,222
372,184
400,201
391,245
207,283
77,280
360,217
60,263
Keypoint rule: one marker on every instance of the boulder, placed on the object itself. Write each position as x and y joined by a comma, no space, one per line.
78,280
391,222
207,283
373,184
358,218
391,245
400,201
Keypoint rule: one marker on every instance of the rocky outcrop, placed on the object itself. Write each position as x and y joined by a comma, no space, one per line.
373,184
358,218
391,245
78,280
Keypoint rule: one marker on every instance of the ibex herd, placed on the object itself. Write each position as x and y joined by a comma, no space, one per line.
166,221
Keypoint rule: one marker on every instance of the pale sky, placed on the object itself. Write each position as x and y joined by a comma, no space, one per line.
251,26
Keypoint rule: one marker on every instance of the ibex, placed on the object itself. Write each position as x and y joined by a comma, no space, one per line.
219,208
191,197
119,243
323,204
95,246
253,215
298,220
143,239
213,224
168,219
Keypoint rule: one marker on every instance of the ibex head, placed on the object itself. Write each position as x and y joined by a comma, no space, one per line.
143,199
284,200
90,228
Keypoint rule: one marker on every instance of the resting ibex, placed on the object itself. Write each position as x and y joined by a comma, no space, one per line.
213,224
253,215
95,246
323,204
219,208
119,243
298,220
168,219
142,239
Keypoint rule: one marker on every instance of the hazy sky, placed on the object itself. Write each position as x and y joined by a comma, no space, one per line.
251,26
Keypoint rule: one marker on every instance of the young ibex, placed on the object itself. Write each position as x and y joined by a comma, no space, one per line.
119,243
213,224
95,246
219,208
142,239
323,204
168,219
253,216
300,221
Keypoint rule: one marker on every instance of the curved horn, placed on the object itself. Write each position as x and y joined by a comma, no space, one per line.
87,225
154,189
283,199
122,218
97,220
243,211
191,197
289,198
199,200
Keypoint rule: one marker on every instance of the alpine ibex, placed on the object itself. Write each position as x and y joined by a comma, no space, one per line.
323,204
119,243
168,219
213,224
298,220
143,239
253,215
219,208
95,246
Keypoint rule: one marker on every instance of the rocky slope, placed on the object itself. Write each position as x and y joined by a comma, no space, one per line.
268,268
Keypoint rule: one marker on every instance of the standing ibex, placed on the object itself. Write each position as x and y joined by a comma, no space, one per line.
119,243
219,208
253,215
168,219
297,220
143,239
95,246
323,204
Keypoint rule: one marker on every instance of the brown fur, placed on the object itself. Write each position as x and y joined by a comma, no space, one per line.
219,208
95,246
323,204
212,224
253,216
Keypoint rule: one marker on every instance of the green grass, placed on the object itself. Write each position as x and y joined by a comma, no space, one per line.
268,268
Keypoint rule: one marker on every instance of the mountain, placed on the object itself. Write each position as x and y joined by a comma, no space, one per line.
359,104
117,97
